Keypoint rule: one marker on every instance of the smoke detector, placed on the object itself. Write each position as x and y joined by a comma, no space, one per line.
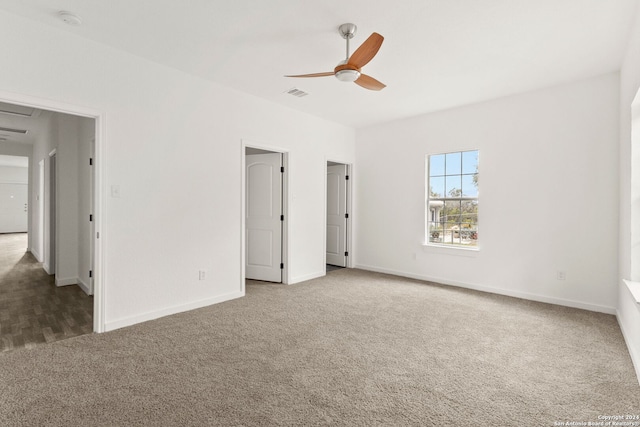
69,18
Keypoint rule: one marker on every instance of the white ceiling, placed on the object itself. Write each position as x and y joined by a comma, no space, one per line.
437,54
17,118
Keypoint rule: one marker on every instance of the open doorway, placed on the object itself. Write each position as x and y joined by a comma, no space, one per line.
14,194
338,204
49,278
264,216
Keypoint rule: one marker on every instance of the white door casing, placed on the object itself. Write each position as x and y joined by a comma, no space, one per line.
40,196
263,217
92,208
51,253
337,215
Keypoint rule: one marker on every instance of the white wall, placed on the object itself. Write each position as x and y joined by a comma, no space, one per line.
42,146
67,220
548,199
629,244
172,143
14,174
9,148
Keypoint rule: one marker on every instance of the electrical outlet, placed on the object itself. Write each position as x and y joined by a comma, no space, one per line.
202,274
561,275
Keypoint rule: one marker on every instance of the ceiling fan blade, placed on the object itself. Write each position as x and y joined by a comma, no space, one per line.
366,51
328,73
369,82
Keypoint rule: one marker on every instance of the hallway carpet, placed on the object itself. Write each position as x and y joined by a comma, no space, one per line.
351,348
33,310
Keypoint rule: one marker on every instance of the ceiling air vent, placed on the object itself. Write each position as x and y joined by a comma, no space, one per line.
297,92
17,110
22,131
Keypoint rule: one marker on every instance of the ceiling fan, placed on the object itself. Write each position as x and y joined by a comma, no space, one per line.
349,70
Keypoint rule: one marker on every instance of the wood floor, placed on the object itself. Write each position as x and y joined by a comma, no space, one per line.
33,310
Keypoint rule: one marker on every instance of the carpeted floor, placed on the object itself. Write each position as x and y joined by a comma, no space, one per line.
352,348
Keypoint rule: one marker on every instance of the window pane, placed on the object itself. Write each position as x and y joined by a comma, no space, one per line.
436,165
469,213
453,163
470,162
437,187
436,232
454,186
451,211
451,233
469,188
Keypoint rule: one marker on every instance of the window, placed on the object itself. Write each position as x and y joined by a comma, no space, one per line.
452,199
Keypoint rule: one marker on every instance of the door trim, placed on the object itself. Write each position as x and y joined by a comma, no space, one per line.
244,144
51,233
39,254
350,222
99,195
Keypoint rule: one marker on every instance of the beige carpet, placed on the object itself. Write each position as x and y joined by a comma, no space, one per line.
353,348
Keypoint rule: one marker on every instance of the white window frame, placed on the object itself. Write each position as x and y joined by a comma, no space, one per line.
432,215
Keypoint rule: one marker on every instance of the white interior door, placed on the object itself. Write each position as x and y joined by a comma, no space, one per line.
13,208
263,217
337,215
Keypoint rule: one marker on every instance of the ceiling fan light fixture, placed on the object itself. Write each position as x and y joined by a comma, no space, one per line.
348,75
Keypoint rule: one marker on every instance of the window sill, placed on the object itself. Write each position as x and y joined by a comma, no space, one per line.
634,288
450,250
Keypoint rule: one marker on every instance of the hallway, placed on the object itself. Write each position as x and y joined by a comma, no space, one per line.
33,310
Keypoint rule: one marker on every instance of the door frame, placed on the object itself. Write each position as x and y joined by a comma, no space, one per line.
51,232
40,236
350,221
99,241
244,144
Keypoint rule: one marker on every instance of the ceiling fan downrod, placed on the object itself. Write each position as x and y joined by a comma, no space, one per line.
347,31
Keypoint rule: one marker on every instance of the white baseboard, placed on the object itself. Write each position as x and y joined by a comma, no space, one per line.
306,277
36,255
499,291
152,315
88,289
635,357
66,281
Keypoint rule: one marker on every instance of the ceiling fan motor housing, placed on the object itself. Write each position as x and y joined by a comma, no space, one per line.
347,73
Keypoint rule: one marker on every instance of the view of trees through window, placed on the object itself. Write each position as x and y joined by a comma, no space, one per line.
452,199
